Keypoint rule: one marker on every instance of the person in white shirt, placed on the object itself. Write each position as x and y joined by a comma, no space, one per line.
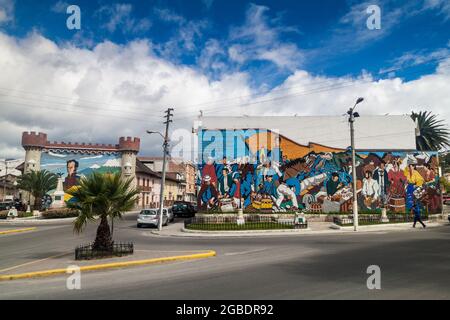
370,190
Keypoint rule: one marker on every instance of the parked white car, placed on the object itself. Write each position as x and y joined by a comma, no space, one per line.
150,217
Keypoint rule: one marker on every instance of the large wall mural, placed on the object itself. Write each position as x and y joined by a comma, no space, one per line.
71,166
262,171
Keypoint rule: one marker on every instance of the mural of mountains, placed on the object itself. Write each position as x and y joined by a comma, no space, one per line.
110,166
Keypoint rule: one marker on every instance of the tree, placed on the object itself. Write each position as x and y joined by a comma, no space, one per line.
434,134
102,195
38,183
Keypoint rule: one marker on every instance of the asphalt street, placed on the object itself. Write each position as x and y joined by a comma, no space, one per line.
414,265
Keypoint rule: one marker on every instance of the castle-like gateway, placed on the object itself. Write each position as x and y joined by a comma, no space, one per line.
73,160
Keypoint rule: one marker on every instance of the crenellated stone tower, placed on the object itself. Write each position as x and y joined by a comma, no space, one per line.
33,143
129,148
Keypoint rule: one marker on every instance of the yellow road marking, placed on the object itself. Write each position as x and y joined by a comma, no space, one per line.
17,230
45,273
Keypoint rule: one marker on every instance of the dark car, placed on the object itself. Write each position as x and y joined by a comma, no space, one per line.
6,205
446,198
183,209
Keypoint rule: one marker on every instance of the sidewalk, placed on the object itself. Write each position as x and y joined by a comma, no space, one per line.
314,228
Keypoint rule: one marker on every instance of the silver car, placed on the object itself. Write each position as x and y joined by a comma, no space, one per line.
150,217
170,214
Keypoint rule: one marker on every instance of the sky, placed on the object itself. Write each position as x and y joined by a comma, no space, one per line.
130,60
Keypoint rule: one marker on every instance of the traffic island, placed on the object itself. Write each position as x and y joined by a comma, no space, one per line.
247,222
64,262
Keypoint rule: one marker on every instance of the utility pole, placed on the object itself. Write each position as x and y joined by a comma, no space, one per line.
351,119
165,152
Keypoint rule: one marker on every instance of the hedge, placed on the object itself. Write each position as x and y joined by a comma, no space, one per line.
59,213
20,214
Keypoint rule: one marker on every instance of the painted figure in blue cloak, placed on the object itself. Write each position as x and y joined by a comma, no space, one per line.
220,166
269,187
246,185
410,196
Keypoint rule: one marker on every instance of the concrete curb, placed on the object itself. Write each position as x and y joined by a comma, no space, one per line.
31,220
17,230
333,230
114,265
37,222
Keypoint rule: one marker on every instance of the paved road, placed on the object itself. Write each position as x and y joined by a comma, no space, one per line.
414,264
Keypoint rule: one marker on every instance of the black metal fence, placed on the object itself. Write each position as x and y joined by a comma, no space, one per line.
86,252
231,223
376,219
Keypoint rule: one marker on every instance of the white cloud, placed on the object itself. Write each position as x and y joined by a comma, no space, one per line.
259,39
99,94
443,7
60,7
6,11
104,92
187,34
415,58
119,17
208,3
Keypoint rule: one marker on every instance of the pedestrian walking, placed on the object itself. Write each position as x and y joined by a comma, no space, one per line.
416,210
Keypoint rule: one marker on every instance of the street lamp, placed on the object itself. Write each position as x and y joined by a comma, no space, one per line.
163,180
352,115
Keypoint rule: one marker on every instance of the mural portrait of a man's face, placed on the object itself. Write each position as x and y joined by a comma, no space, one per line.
72,178
72,166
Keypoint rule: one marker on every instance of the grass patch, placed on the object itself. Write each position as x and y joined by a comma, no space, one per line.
235,226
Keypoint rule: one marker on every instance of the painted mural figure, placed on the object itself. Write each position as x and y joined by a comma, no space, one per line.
414,180
397,180
235,191
370,191
247,187
225,182
381,176
333,185
317,178
219,167
207,195
210,170
284,192
72,178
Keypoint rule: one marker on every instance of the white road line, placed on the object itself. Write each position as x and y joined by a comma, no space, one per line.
244,252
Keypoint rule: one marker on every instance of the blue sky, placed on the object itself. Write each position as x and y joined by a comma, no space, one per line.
314,30
133,59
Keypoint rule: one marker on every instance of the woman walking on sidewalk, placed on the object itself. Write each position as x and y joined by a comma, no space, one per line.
416,209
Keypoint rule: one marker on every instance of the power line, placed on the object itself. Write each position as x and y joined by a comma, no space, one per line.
275,90
307,92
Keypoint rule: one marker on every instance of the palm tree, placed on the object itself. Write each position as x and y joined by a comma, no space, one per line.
102,195
434,134
38,183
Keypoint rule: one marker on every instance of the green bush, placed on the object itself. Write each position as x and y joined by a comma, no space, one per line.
59,213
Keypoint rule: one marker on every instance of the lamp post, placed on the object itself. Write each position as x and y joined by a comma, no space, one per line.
6,177
352,115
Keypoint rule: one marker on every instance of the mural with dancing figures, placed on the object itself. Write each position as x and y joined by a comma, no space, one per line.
262,171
